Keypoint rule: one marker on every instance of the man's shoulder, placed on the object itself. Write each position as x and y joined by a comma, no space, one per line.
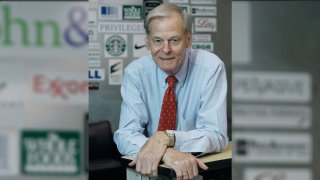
140,63
204,58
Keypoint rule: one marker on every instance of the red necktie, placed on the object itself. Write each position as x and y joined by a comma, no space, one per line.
169,107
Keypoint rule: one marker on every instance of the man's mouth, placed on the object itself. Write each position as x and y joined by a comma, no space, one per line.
166,58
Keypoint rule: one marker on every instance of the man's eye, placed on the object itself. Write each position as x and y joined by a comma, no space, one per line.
174,41
157,42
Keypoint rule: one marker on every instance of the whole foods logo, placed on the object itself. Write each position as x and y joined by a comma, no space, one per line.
132,12
50,152
116,45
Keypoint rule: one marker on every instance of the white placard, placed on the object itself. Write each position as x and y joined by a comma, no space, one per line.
92,33
184,7
271,86
204,24
110,12
13,94
139,46
115,71
94,63
272,147
62,88
267,173
203,1
241,32
203,10
115,45
208,46
121,27
179,1
9,146
92,16
94,50
201,37
271,116
97,74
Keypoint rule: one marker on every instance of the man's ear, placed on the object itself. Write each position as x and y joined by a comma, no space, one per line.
147,42
189,39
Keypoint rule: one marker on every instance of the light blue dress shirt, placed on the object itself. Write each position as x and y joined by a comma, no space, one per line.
201,93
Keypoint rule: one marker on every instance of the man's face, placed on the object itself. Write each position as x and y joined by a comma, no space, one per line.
167,42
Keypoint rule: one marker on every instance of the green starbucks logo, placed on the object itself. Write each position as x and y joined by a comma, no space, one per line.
116,45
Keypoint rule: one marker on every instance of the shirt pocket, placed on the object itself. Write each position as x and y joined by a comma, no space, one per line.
189,119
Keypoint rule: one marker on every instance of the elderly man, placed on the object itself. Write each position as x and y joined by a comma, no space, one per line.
174,100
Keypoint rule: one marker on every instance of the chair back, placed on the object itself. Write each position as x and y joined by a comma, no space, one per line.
100,140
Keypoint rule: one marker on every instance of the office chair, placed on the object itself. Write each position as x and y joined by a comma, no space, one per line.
104,158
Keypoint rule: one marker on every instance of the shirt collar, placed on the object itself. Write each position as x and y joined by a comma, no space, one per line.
181,74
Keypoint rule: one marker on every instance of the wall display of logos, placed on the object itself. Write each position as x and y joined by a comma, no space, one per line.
120,25
275,96
120,38
43,82
251,89
50,152
287,95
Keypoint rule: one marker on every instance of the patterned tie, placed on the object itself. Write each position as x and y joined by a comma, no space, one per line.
169,107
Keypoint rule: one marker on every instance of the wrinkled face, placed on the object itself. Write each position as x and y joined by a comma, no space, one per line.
167,42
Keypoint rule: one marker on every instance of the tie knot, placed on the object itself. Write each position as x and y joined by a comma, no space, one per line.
171,80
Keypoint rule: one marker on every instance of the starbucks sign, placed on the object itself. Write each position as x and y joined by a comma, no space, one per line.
50,152
116,45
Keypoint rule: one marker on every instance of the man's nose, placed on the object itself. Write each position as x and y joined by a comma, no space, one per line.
166,48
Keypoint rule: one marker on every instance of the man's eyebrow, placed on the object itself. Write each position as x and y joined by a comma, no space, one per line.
173,37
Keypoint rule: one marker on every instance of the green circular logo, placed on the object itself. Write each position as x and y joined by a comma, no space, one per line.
116,45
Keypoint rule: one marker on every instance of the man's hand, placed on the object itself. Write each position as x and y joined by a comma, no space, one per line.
184,164
150,154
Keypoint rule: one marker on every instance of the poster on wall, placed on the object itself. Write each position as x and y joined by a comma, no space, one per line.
115,71
50,152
